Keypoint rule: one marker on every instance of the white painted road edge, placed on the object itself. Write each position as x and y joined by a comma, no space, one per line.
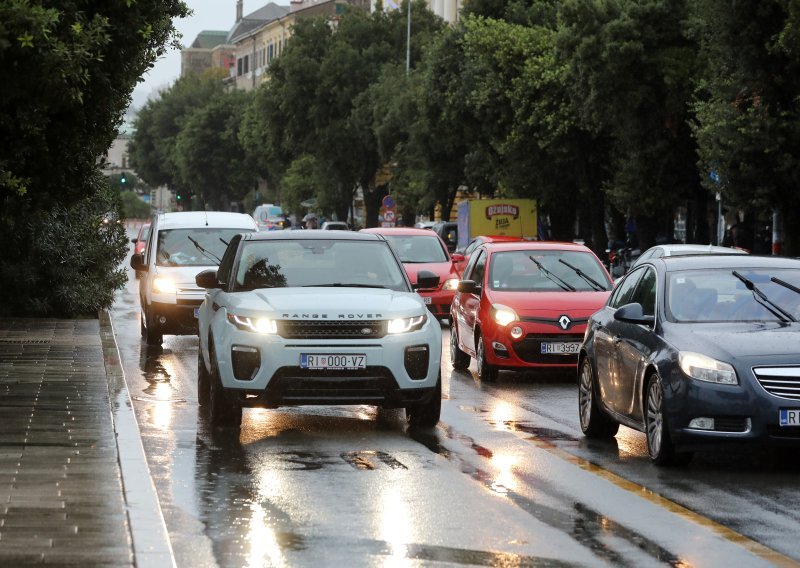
151,544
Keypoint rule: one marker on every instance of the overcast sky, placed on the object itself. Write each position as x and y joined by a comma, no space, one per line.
208,15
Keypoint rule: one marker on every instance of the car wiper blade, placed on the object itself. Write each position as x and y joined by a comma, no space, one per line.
592,282
785,284
223,241
762,298
563,285
343,285
207,254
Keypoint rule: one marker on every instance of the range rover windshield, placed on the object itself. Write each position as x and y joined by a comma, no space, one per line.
318,263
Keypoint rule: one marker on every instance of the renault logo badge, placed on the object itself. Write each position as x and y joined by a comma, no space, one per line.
564,322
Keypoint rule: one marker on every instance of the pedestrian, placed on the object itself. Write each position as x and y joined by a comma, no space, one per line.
310,220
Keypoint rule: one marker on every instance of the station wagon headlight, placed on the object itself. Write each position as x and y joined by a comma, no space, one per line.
704,368
503,315
164,285
404,325
258,325
450,284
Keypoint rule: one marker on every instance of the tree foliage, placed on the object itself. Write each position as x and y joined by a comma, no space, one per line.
67,70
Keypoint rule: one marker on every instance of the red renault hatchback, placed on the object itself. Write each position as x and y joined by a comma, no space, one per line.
525,305
422,249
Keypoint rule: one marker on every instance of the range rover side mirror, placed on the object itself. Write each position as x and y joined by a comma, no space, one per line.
426,279
207,279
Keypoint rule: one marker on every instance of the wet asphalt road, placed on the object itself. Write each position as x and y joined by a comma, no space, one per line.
506,479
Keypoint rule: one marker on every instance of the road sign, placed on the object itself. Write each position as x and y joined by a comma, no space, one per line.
389,202
388,216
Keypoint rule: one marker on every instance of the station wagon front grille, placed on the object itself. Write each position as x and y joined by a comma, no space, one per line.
779,381
333,329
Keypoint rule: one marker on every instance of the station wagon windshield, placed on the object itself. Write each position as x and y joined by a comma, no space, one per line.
546,271
720,296
308,263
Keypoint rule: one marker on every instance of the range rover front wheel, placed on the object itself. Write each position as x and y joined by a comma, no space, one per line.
427,414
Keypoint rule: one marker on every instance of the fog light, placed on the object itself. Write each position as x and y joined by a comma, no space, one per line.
416,362
702,423
516,332
162,319
246,361
500,350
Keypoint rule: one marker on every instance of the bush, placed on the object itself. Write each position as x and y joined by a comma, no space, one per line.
64,261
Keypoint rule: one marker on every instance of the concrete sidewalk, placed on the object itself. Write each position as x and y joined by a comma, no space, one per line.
66,442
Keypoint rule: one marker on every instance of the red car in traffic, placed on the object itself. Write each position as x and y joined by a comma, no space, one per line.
525,305
422,249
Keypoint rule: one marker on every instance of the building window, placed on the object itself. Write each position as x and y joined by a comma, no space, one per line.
238,67
246,64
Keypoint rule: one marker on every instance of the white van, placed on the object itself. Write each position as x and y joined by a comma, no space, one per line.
269,217
180,246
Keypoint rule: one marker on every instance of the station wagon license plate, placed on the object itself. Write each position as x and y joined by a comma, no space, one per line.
789,417
560,348
427,299
332,361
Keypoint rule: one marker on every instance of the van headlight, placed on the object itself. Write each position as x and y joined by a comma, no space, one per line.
264,326
704,368
404,325
164,285
503,315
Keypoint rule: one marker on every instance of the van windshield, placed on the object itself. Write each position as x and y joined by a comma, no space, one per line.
193,247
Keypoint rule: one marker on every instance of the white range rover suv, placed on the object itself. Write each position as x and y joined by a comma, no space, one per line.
316,318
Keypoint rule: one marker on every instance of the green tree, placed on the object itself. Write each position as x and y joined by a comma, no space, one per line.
748,109
67,71
209,154
132,206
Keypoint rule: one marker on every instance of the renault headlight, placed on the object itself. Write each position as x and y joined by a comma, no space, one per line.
704,368
164,285
450,284
404,325
503,315
264,326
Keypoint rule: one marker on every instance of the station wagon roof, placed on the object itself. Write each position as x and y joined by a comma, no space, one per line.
199,219
732,261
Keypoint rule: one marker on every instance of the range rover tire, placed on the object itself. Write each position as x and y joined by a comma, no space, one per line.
221,411
426,415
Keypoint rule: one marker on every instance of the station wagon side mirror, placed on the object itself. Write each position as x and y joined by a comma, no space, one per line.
426,279
208,280
134,239
469,287
137,262
632,313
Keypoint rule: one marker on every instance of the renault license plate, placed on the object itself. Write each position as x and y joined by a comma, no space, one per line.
789,417
559,348
332,361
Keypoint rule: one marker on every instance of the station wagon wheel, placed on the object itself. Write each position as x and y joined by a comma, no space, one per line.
594,422
659,444
151,336
486,372
458,359
221,410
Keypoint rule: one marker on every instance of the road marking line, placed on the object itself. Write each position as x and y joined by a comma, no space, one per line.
748,544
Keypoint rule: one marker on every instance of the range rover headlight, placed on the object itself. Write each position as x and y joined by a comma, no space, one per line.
704,368
503,315
265,326
164,285
450,284
404,325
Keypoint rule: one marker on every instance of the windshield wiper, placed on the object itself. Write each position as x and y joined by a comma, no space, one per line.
592,282
563,285
223,241
343,285
785,284
762,299
207,254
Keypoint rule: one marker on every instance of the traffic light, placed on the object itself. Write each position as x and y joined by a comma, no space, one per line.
122,179
178,196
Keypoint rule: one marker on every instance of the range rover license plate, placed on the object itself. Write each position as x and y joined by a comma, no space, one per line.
789,417
570,348
332,361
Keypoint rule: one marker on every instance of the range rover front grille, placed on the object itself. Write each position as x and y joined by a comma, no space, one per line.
779,381
331,329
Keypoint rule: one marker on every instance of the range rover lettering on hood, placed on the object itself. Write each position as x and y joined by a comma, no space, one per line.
338,316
